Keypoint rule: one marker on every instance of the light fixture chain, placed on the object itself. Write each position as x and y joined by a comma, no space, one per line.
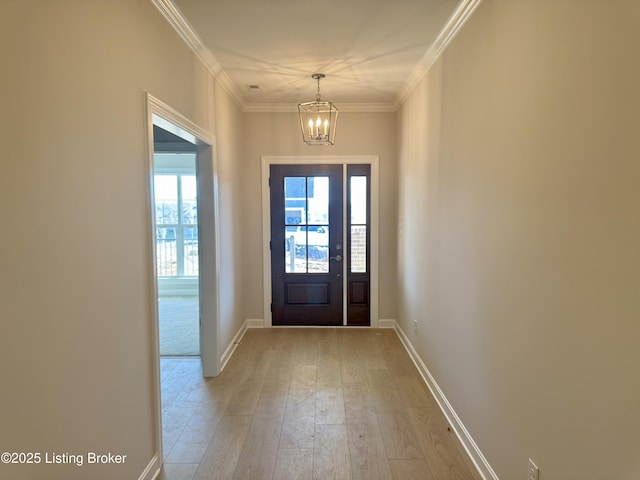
318,76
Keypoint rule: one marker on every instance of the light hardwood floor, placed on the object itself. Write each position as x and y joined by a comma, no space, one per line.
314,404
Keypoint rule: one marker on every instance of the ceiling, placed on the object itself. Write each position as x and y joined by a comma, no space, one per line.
264,52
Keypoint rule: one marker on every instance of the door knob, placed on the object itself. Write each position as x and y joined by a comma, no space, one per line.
337,258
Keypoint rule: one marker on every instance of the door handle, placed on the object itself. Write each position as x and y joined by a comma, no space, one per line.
337,258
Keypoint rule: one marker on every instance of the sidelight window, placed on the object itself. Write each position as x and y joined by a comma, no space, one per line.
358,223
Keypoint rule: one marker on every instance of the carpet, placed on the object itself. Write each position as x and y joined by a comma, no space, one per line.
179,326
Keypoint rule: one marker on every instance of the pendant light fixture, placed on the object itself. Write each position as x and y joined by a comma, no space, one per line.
318,119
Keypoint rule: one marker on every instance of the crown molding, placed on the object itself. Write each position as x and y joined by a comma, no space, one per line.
446,35
343,107
180,24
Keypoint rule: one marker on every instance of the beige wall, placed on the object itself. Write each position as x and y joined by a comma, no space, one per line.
279,134
75,290
230,194
519,234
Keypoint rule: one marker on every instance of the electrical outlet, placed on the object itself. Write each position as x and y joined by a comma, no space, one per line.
534,473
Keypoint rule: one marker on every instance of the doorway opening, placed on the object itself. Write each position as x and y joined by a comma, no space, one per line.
177,253
184,238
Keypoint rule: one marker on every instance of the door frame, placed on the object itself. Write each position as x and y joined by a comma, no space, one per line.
162,115
267,161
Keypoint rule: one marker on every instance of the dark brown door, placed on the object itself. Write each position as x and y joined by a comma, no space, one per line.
307,249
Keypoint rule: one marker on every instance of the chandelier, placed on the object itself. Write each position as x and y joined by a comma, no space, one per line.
318,119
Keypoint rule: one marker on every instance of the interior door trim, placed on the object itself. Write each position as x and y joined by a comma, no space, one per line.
267,161
160,114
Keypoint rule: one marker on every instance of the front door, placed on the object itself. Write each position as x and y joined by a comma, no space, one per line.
310,263
306,244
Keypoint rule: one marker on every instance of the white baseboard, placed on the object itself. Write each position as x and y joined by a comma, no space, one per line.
387,323
479,460
260,323
152,471
232,346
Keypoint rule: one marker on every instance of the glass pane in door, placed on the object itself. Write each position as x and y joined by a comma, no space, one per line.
306,204
318,243
295,200
318,200
295,248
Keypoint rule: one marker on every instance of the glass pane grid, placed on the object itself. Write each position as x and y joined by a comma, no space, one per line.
306,224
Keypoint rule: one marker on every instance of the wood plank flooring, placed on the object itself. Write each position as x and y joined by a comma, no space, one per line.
307,404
